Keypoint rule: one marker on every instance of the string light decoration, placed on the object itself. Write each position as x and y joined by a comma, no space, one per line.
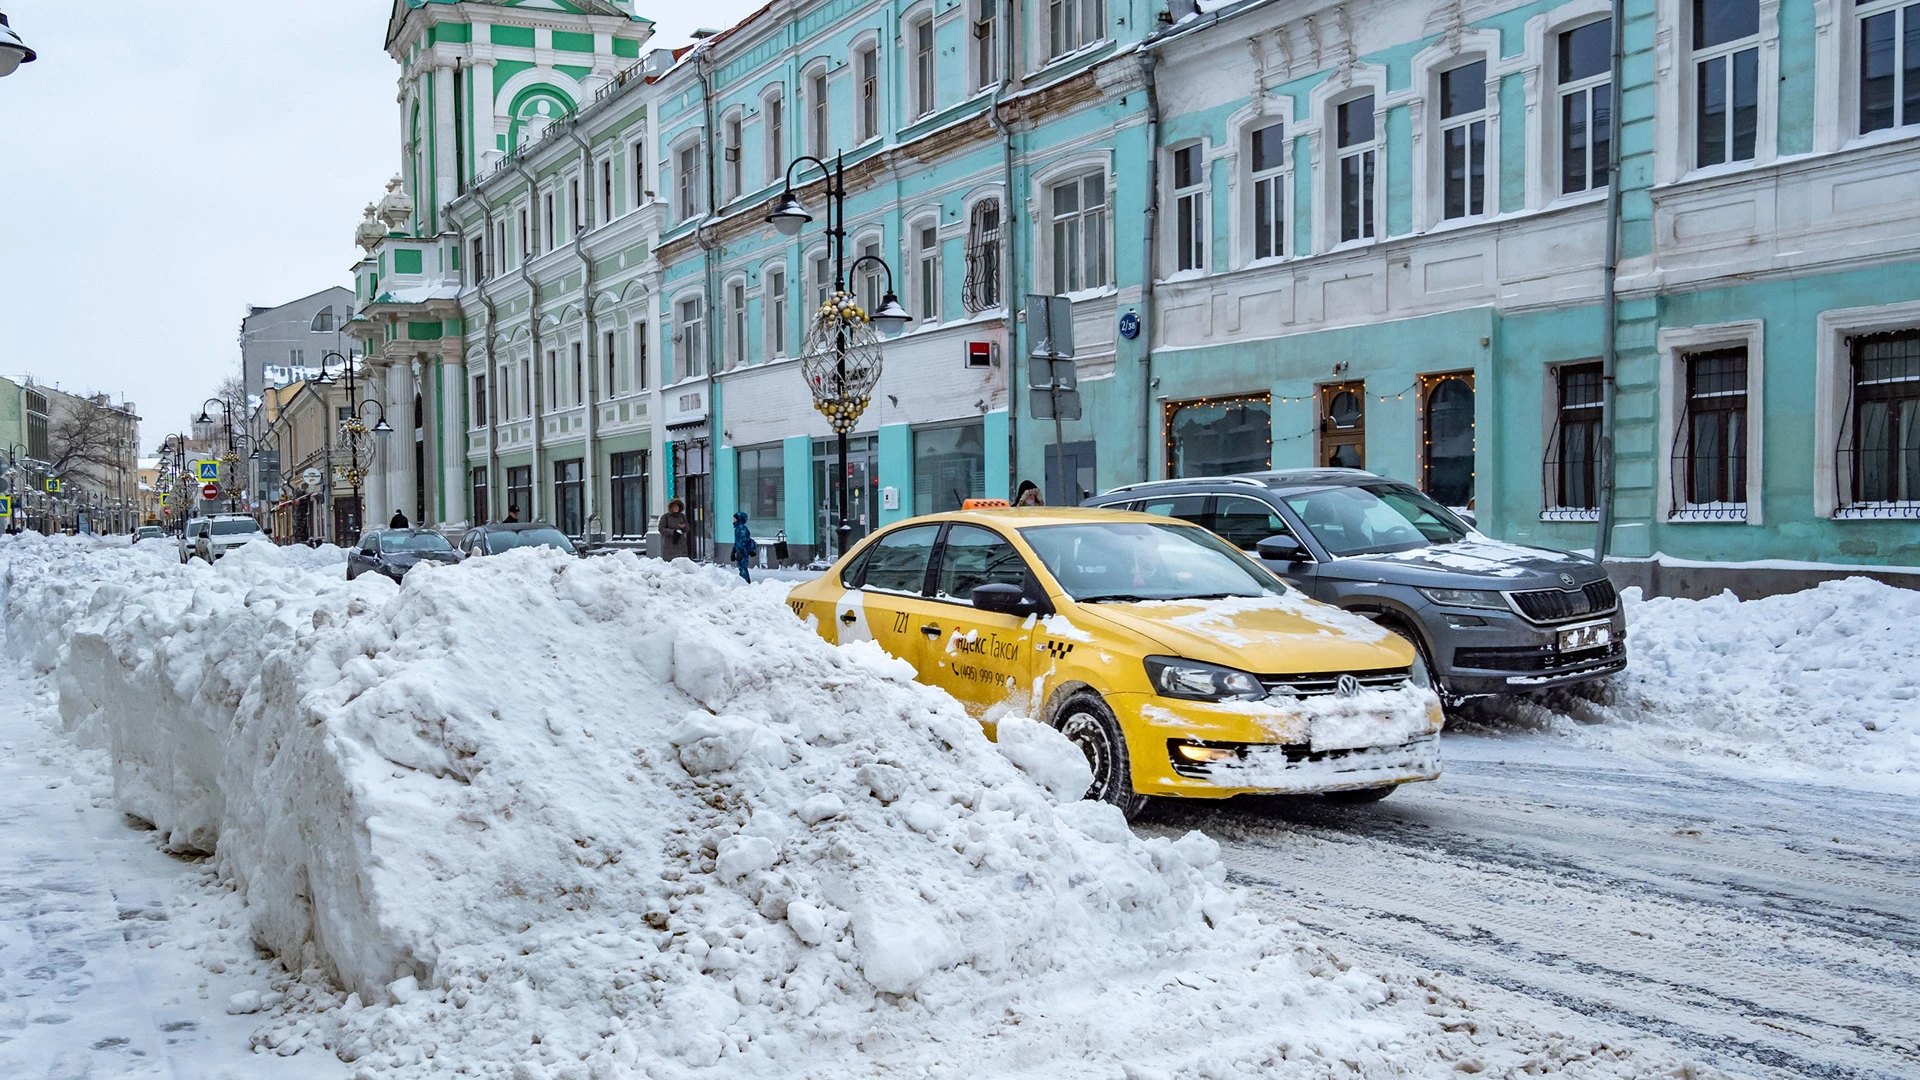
1428,384
841,328
1169,409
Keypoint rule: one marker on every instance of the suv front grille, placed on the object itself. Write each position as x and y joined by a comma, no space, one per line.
1558,605
1533,659
1321,683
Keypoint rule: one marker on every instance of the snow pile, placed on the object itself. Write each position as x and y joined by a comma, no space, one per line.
1823,683
550,817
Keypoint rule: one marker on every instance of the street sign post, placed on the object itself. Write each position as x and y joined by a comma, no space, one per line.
1051,377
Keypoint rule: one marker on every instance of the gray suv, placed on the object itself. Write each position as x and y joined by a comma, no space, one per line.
1488,617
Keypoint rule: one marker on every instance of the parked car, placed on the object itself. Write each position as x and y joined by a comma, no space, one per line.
1488,616
149,532
495,538
1179,666
208,538
393,552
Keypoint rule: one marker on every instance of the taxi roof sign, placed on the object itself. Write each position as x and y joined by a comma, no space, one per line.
985,504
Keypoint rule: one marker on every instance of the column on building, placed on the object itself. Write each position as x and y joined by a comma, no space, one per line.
399,402
446,181
453,429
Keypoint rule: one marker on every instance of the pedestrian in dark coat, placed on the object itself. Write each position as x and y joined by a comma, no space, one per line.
399,521
513,515
676,532
744,545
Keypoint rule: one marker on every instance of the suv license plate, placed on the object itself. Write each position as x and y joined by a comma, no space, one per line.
1591,636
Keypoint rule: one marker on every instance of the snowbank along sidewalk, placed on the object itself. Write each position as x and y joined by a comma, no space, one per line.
536,816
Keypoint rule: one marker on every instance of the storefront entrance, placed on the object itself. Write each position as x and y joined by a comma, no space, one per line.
863,489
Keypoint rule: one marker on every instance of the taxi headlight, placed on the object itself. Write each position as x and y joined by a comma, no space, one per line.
1192,680
1418,674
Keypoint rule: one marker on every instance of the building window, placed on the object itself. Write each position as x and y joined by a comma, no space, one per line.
1078,208
736,324
526,388
526,237
1885,432
1573,445
1343,425
1267,157
773,112
479,417
1463,140
553,380
822,279
869,68
1189,207
689,181
817,103
606,191
763,488
731,175
477,495
1889,64
579,376
923,66
576,217
1710,446
477,264
1447,437
520,491
641,378
1726,70
1074,24
926,272
1357,151
569,497
981,290
546,206
868,286
1220,436
638,153
776,301
628,473
1586,105
609,343
949,467
690,359
986,44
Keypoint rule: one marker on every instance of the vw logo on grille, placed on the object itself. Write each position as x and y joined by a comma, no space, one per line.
1347,686
1566,579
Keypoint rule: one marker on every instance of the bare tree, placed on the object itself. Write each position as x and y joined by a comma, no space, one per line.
82,433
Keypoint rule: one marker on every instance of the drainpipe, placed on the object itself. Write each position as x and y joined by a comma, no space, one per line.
590,500
492,374
1609,314
533,323
710,259
1149,420
1009,287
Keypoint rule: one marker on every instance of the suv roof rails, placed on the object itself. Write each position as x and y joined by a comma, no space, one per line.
1146,484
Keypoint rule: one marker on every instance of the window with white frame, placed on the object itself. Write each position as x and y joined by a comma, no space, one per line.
1267,171
775,279
526,235
576,218
1356,156
1077,209
1710,444
926,271
547,222
1189,207
610,348
1889,64
689,356
1882,423
730,154
981,290
868,285
1463,140
921,37
606,191
1583,71
688,201
773,113
986,44
867,69
477,418
642,378
553,379
481,266
821,275
579,376
1074,24
736,324
637,153
1726,80
819,131
1573,445
526,386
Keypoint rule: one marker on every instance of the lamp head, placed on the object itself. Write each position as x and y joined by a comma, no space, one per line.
383,428
13,51
789,214
891,317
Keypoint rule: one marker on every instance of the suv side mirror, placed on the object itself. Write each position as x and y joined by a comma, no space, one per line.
1468,517
1003,598
1282,548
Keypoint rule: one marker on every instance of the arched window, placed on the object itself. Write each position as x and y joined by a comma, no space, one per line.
1447,408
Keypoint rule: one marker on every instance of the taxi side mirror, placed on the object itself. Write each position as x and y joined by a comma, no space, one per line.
1282,548
1002,598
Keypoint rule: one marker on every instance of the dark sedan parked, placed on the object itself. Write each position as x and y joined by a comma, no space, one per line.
505,536
393,552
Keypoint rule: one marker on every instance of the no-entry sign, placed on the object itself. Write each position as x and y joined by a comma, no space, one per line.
210,491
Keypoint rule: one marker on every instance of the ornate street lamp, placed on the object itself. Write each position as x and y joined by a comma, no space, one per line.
840,358
13,51
355,428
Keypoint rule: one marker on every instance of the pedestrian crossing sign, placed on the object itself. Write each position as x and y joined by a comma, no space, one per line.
209,471
6,506
53,485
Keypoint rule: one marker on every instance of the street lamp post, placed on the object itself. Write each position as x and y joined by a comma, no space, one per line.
840,358
229,458
355,426
14,453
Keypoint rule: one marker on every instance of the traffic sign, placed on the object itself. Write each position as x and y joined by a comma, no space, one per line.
209,471
1049,326
311,477
210,491
53,485
6,506
1046,403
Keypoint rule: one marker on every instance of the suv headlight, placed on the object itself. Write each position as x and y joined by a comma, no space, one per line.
1473,598
1192,680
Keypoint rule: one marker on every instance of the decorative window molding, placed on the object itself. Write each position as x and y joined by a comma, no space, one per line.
1437,67
1833,377
1090,267
1349,86
1675,90
1550,98
1675,345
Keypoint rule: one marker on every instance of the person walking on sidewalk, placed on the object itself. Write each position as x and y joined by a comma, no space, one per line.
676,532
399,521
744,545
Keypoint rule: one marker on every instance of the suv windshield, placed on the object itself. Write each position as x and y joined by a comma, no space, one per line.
420,541
1145,561
1375,518
498,542
234,528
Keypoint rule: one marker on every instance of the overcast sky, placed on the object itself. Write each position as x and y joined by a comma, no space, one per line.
162,166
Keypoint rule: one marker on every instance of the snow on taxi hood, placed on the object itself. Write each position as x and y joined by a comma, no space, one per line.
1286,634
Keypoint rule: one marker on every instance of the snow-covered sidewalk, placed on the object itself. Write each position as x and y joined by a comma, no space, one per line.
115,959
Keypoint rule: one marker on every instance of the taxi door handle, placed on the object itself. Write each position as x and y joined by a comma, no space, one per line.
849,618
930,630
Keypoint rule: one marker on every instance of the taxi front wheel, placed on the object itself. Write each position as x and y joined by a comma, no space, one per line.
1089,724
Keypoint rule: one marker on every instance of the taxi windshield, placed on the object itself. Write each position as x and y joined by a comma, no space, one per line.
1122,561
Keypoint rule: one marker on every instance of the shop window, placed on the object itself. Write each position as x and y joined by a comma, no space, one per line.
949,467
1446,436
629,483
1343,425
762,488
520,491
1219,436
569,497
477,496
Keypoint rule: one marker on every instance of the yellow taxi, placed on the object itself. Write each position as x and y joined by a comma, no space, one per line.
1178,665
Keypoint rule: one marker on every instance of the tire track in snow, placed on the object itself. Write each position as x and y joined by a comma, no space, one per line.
1771,929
